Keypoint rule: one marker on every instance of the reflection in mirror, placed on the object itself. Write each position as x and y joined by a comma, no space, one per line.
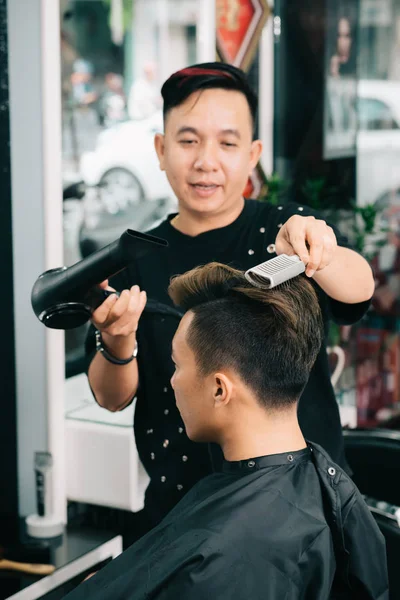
376,341
114,58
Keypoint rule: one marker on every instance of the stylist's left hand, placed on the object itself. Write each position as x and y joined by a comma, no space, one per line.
310,238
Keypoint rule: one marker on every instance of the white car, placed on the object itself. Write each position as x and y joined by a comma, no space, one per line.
125,165
378,142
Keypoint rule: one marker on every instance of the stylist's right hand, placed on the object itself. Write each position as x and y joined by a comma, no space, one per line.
118,317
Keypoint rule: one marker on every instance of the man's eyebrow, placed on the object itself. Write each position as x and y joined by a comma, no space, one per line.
187,129
234,132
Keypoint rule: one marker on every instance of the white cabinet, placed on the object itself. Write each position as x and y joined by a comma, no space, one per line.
102,463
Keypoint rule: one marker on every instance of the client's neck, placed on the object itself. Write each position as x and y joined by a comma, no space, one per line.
253,433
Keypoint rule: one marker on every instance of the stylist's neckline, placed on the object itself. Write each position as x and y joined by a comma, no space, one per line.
193,229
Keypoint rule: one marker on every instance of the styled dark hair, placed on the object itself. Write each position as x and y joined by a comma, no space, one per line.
180,85
270,337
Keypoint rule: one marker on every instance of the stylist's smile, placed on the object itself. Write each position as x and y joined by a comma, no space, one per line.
204,189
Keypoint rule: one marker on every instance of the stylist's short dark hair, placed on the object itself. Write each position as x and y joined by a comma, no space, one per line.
271,338
180,85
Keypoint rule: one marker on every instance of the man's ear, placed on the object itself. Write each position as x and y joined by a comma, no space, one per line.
159,145
255,153
222,390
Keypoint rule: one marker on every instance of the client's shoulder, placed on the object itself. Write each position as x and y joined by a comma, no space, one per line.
327,467
335,481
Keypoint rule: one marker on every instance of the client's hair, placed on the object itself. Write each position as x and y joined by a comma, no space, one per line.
271,338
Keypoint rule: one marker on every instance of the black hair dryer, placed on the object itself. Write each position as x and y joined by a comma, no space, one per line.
65,297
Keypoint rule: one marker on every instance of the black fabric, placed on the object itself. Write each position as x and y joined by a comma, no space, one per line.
271,527
173,462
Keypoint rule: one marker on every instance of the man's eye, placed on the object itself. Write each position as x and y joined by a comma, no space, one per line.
229,144
187,142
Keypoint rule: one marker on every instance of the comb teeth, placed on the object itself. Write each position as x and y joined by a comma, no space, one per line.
276,264
273,272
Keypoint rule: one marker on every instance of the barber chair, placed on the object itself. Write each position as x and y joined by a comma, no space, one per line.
374,457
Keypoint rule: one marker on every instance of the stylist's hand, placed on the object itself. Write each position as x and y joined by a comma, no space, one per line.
310,238
118,317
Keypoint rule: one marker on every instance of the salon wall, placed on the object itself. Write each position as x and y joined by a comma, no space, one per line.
34,231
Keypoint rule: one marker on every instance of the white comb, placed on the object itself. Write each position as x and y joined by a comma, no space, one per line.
277,270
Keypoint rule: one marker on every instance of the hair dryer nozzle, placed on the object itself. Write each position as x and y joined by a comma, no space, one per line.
65,297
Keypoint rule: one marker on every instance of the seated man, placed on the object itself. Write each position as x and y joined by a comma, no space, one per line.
281,521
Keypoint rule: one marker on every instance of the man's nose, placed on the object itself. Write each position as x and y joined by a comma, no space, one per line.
207,158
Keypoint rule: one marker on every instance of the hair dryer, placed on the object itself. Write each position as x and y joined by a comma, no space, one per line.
65,297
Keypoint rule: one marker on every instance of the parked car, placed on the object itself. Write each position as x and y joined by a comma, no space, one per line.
125,165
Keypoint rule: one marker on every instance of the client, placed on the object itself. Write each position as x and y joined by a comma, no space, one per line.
281,520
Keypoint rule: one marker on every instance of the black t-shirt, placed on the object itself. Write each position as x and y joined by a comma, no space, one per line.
173,462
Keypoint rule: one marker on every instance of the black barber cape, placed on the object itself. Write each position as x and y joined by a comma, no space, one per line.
284,527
